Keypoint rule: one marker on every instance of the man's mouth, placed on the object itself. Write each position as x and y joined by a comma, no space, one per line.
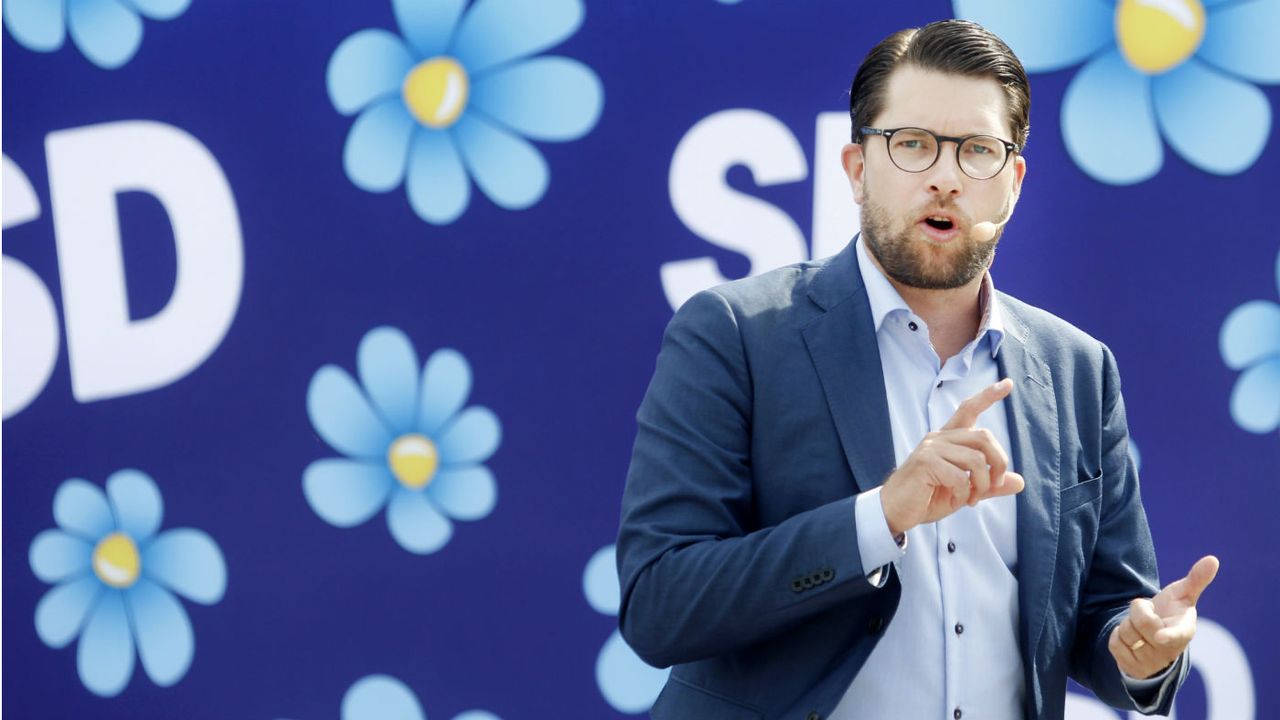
938,222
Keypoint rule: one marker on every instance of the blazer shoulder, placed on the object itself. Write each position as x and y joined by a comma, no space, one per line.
784,288
1053,339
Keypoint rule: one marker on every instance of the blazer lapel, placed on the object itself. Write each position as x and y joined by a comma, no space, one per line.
1032,410
842,344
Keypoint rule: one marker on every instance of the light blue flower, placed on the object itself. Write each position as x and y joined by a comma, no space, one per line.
1178,68
115,578
1250,341
382,697
108,32
410,445
456,95
628,684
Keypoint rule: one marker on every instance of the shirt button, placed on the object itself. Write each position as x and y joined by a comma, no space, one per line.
914,327
959,629
939,383
957,714
951,547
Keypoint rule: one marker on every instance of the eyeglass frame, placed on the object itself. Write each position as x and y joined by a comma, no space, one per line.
1010,149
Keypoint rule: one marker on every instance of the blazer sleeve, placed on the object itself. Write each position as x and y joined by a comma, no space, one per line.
697,579
1123,566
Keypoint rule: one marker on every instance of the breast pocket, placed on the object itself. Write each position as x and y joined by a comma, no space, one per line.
1082,493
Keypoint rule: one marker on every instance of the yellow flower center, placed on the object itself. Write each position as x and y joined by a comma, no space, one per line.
413,460
436,91
1157,35
116,561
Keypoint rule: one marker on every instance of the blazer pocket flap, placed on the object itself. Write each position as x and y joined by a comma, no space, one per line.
680,699
1083,492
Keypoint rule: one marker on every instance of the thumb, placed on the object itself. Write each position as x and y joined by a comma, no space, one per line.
1202,573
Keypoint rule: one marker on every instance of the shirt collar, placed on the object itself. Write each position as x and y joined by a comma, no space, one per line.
885,299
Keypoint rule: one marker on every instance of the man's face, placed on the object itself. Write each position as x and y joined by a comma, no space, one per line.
897,206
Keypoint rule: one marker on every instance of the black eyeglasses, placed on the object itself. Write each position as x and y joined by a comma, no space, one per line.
914,150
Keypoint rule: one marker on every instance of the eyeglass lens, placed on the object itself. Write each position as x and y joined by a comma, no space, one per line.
914,150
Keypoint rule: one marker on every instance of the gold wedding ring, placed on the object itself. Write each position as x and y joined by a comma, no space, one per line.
1138,645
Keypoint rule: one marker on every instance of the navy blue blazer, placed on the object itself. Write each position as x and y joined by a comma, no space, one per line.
738,552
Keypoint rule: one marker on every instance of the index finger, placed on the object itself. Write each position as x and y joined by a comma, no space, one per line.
966,416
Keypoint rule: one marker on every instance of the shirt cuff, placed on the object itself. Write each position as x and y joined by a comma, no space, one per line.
1147,693
876,545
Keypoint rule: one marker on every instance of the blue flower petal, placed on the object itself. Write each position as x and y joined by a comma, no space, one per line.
476,715
136,502
506,167
366,66
438,188
465,493
187,562
343,417
416,524
446,383
428,25
380,697
1194,97
1255,399
161,9
106,31
56,556
345,492
520,97
1241,38
62,611
165,640
627,683
36,24
374,156
600,581
1046,36
1250,333
104,656
471,438
1108,122
81,509
495,31
388,368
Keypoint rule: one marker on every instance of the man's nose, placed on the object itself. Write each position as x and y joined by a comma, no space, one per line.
946,177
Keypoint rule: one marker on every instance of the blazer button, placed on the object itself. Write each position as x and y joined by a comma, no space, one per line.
797,585
828,575
875,624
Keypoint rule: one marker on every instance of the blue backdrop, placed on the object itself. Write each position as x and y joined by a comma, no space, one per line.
325,323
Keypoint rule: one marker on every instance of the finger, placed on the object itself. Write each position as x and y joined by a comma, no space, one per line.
1129,635
1124,656
967,414
1012,484
985,442
974,463
1144,619
951,477
1176,634
1202,573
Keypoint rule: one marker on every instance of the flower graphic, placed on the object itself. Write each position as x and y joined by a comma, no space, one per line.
1250,341
410,445
456,96
108,32
115,582
628,684
382,697
1181,69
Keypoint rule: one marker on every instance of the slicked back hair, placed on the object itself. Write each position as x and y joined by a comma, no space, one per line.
957,47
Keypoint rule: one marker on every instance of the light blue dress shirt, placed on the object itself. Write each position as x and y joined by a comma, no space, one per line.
953,644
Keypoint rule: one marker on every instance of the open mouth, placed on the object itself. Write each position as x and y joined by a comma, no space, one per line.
939,223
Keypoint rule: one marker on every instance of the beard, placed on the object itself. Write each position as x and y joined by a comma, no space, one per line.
916,262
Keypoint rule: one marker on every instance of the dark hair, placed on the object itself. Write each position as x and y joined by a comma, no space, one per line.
958,47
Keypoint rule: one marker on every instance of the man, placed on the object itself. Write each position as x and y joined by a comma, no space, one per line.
871,486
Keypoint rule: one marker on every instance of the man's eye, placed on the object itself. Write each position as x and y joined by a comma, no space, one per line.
909,144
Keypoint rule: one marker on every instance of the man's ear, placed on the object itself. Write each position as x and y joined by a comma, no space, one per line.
854,168
1019,172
